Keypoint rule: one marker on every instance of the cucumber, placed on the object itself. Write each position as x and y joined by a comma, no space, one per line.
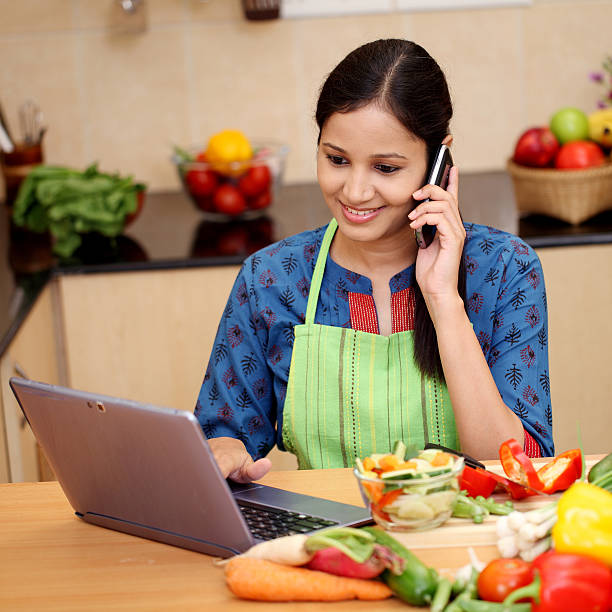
417,584
399,475
399,450
410,474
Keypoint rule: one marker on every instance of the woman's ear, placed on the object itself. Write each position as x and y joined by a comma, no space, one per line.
448,140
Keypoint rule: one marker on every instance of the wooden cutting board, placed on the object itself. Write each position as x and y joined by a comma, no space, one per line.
464,532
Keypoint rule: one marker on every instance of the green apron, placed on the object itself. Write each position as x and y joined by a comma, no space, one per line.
352,393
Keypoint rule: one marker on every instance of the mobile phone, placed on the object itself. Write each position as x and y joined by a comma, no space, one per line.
438,175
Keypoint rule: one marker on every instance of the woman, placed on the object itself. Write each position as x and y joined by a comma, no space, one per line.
337,342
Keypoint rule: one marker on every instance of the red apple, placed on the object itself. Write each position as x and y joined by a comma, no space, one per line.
579,154
536,147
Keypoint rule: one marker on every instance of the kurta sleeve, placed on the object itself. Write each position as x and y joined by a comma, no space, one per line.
518,354
236,397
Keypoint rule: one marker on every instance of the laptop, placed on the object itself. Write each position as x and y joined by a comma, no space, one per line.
149,471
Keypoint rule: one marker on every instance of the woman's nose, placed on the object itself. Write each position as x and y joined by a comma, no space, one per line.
357,188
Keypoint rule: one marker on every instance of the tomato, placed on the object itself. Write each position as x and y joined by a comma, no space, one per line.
201,182
579,154
476,482
255,181
263,200
229,201
205,203
502,576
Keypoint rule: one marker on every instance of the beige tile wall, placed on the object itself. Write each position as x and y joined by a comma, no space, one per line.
124,99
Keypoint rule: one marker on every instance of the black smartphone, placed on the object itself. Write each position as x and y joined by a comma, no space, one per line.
438,175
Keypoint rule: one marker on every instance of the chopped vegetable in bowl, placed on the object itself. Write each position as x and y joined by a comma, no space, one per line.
409,492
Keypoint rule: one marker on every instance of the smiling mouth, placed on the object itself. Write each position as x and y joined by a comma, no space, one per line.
361,213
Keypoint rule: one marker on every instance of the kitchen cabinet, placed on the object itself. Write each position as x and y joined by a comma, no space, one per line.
147,335
579,295
142,335
32,353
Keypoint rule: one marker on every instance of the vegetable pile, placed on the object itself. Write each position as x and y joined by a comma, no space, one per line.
579,522
368,563
69,203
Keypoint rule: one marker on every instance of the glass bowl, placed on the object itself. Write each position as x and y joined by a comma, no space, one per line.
411,504
238,190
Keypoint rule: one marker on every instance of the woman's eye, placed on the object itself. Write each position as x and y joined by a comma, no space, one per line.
337,160
385,169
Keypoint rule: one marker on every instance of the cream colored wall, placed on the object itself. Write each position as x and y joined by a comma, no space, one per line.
125,99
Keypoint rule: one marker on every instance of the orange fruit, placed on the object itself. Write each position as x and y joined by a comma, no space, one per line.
229,152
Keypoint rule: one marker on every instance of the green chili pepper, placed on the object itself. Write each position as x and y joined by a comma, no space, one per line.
601,473
417,584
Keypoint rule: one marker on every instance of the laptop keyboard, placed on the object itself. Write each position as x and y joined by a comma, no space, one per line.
270,523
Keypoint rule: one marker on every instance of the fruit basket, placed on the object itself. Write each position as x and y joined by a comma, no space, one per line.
570,195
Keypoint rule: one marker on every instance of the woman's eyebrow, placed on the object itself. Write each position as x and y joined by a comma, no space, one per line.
375,156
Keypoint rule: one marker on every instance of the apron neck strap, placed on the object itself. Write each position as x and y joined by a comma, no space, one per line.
317,277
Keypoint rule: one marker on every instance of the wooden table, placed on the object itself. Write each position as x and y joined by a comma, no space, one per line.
51,560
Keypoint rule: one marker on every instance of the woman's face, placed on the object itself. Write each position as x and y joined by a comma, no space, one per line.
368,167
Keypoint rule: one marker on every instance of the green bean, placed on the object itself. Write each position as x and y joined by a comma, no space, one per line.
442,595
478,605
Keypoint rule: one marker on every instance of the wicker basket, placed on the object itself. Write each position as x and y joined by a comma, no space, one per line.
570,195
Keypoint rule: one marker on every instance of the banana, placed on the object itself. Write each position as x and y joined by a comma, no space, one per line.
600,127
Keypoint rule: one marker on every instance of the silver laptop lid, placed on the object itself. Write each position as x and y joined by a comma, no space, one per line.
136,468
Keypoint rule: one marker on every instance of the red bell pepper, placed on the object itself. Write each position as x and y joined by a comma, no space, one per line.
476,482
560,473
518,465
567,582
514,490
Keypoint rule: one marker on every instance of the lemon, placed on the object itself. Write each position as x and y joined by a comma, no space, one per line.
227,152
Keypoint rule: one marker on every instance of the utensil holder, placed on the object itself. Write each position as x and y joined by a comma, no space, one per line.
16,166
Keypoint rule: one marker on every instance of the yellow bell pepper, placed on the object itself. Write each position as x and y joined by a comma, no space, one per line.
584,522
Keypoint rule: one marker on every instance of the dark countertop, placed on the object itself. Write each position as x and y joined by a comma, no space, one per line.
172,233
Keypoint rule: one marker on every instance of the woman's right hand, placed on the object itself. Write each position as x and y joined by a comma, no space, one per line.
235,462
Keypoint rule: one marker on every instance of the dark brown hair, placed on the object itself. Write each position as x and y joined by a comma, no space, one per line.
403,78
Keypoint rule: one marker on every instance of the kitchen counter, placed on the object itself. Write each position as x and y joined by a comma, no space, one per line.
172,233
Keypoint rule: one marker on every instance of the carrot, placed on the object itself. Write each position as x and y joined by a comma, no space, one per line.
266,581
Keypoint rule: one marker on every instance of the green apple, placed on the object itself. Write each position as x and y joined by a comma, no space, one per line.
569,124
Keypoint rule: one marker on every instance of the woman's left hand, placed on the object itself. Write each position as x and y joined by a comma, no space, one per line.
437,266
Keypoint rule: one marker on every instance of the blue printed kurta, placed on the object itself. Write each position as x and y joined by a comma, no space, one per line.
244,387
